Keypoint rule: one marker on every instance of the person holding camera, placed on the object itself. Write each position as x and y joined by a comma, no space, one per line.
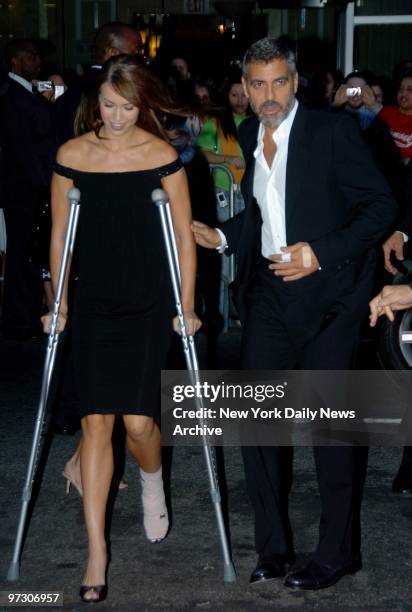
26,143
357,97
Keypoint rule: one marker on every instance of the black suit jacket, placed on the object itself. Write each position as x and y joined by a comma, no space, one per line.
26,144
405,224
336,199
65,108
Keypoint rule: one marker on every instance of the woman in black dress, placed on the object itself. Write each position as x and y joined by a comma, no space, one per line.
123,309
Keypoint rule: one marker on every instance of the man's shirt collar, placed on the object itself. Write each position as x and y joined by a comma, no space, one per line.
280,134
26,84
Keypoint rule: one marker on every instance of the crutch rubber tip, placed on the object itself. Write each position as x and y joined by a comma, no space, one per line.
74,194
229,573
159,197
14,571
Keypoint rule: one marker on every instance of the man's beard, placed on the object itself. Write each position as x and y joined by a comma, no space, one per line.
273,121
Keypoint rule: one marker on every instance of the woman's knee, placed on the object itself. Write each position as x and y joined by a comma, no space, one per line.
139,427
98,426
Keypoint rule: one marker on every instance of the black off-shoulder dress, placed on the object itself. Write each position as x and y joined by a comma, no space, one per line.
123,306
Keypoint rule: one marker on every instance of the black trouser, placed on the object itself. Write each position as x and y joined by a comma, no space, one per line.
271,340
23,286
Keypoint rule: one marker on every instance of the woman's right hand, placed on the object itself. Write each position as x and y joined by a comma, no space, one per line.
47,321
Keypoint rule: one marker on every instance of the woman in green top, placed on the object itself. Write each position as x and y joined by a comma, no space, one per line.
219,143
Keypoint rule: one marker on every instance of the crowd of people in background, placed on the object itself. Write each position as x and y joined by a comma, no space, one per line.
206,133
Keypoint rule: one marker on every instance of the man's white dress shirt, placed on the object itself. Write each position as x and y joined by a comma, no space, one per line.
269,187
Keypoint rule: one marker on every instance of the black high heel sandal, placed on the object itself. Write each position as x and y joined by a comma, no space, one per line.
100,590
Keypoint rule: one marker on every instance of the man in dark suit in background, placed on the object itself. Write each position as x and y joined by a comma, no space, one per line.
310,183
26,144
111,39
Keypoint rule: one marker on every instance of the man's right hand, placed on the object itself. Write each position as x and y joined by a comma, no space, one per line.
394,243
206,236
340,97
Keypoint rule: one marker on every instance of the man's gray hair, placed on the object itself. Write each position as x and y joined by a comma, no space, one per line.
266,50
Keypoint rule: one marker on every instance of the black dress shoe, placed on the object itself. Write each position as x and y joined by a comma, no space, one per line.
316,576
269,568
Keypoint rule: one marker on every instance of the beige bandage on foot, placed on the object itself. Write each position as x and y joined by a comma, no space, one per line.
155,516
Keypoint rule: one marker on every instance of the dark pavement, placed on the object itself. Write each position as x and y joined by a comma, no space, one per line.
185,572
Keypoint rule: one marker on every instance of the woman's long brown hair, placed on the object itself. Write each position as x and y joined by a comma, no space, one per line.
134,82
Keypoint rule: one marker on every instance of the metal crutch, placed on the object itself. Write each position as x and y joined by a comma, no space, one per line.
160,198
14,568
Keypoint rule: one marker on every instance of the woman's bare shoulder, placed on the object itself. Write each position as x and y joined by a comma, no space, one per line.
75,152
160,151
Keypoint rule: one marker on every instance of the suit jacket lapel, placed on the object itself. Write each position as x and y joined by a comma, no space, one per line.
296,165
249,141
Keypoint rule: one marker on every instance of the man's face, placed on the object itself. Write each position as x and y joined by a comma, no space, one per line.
129,42
27,63
405,95
270,89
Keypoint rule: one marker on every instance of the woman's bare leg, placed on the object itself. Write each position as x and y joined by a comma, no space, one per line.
72,468
96,461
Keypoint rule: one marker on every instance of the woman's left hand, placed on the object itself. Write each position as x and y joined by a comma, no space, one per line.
192,323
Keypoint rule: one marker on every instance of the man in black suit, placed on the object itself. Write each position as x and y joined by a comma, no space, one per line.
26,144
111,39
315,207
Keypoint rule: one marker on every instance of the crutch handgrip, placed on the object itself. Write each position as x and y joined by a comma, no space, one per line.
159,197
74,194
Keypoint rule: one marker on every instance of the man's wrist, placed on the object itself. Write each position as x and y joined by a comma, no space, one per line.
223,242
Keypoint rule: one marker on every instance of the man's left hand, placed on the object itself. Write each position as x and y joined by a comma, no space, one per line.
303,262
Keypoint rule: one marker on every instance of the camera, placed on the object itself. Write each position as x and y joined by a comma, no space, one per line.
44,86
353,91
